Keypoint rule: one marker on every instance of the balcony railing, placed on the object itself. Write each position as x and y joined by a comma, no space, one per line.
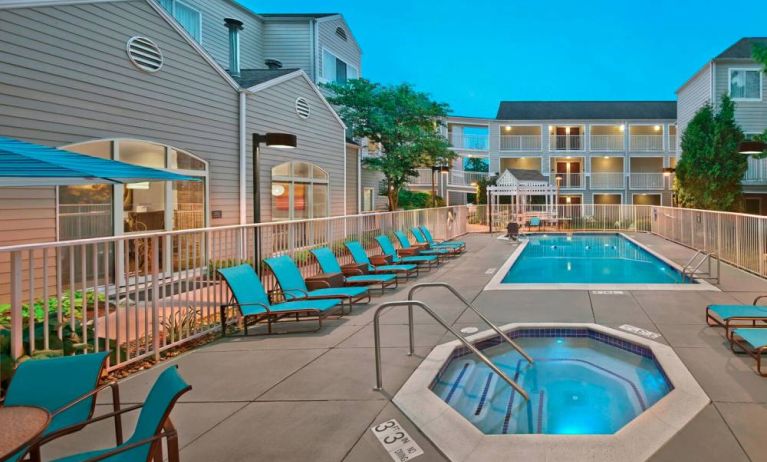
520,142
608,180
569,180
566,143
647,143
672,143
464,178
467,141
647,181
756,173
607,143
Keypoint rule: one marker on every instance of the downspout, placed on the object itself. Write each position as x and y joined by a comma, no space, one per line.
313,51
243,156
359,180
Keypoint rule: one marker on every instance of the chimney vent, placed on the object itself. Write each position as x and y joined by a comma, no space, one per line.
273,63
234,26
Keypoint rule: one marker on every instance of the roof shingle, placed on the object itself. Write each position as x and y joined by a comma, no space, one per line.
742,49
251,77
573,110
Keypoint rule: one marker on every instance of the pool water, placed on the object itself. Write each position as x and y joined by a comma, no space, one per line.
577,385
588,259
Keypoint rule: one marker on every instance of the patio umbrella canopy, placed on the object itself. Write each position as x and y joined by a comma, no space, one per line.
28,164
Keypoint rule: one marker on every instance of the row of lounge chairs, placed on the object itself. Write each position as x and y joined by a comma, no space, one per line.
744,326
299,298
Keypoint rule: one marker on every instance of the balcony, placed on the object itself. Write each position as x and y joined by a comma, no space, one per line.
520,142
468,142
569,180
647,181
608,180
566,143
607,143
646,143
756,173
464,178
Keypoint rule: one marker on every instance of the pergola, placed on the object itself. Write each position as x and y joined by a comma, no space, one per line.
521,185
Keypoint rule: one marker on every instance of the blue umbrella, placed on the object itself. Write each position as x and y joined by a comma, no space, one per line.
27,164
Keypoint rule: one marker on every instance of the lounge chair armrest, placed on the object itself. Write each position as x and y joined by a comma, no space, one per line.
379,260
759,298
294,294
113,384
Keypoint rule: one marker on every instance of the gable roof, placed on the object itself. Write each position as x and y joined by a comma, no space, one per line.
252,77
742,49
527,175
570,110
298,15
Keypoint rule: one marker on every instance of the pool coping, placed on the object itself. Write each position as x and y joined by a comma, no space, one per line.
496,282
638,440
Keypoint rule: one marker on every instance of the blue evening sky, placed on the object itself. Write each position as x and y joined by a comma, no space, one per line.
472,54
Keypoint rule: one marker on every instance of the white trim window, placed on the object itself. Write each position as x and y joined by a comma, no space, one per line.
300,190
336,70
189,18
745,84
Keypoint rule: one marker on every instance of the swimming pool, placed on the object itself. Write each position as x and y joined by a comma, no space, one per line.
581,383
588,261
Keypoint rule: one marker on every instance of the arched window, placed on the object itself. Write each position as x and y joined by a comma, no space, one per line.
90,211
299,191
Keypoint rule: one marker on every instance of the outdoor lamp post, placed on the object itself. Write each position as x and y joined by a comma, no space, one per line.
271,140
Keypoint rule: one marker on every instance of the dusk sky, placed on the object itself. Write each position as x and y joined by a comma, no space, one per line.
474,54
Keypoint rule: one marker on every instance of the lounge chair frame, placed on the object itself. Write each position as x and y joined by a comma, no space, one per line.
729,323
755,353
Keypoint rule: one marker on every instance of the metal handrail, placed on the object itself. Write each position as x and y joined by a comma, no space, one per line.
689,272
468,305
466,343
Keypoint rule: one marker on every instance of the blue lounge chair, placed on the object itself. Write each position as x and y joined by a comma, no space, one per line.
753,341
423,250
430,239
534,221
66,387
294,287
731,316
329,264
409,256
379,263
454,247
251,300
153,425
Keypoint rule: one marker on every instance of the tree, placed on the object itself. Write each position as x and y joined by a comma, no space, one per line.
397,117
476,164
710,171
436,152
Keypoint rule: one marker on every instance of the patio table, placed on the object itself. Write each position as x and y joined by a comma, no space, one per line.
21,426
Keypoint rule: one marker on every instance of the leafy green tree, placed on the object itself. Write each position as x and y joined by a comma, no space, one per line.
475,164
436,152
710,171
400,119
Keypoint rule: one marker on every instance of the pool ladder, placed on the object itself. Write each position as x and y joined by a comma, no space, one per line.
690,271
410,303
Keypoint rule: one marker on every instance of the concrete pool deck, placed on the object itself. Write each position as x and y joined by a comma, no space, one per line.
310,396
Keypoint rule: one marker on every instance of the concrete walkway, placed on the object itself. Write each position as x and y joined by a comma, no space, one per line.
310,397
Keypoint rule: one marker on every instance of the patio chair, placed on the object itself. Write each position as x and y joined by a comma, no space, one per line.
252,301
440,252
731,316
430,239
534,221
153,425
455,247
293,286
352,275
408,256
753,341
512,231
66,387
379,264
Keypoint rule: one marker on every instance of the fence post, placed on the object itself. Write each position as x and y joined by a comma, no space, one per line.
155,297
17,336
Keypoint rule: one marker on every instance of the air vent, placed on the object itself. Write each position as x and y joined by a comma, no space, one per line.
302,108
145,54
341,33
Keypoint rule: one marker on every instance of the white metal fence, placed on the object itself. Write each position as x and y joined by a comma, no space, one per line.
140,294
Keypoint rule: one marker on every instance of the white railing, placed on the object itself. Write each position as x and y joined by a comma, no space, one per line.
607,143
520,142
142,294
568,180
566,143
647,181
672,143
574,217
757,171
468,141
608,180
646,143
464,178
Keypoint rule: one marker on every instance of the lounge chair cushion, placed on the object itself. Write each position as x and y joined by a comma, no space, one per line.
318,305
327,260
396,268
738,311
417,259
431,241
339,292
755,336
371,278
435,251
288,275
245,285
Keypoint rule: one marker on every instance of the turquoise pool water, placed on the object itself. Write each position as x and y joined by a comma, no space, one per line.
577,385
588,259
